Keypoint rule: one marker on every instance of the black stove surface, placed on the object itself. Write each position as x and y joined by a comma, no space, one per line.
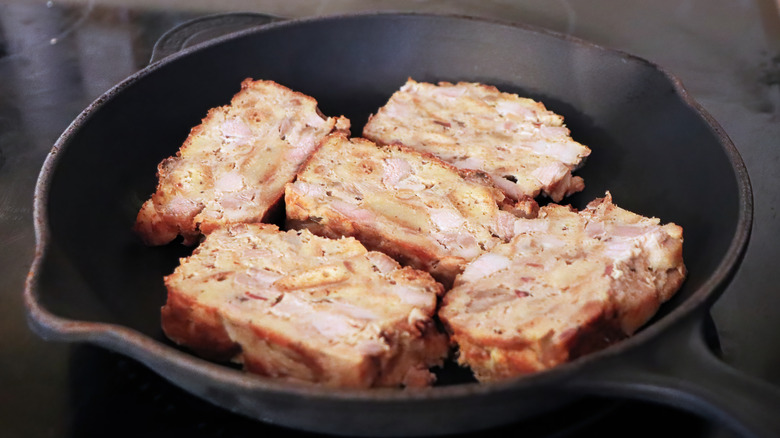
112,392
55,58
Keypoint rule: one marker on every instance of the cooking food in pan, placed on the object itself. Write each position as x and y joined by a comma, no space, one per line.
233,166
568,284
529,292
654,148
301,307
525,148
416,208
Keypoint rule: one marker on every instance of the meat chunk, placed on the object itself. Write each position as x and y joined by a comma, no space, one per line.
412,206
296,306
526,149
232,168
567,284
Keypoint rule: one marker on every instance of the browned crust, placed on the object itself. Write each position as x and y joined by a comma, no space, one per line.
495,357
410,275
417,352
273,349
399,353
630,290
525,207
471,175
157,225
443,269
199,328
257,362
374,130
368,371
599,334
153,229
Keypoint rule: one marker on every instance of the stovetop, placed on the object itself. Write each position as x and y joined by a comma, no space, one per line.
56,57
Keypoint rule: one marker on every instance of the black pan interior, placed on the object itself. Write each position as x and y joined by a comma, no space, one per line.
651,149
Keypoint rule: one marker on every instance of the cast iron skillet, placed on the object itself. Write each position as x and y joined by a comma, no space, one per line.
653,148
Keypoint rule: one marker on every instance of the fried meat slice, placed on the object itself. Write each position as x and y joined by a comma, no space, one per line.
292,305
232,168
525,148
419,210
568,284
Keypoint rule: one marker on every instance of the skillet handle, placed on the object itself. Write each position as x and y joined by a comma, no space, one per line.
680,370
202,29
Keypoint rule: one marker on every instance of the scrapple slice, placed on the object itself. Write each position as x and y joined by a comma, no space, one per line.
233,166
569,284
296,306
526,149
412,206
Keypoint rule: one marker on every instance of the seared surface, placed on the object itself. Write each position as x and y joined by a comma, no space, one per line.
569,283
233,166
303,307
410,205
526,149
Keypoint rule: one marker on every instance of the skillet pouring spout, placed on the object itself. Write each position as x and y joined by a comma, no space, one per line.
653,148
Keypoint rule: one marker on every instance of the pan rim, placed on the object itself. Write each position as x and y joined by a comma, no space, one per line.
129,341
